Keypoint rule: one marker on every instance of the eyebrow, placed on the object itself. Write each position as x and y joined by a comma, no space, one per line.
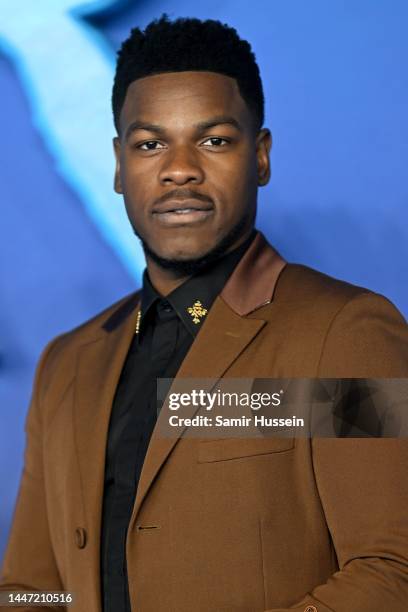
201,126
219,120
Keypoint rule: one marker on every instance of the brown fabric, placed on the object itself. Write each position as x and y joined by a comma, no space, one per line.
309,524
258,272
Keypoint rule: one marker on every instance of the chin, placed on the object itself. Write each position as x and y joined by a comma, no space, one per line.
185,250
184,261
187,254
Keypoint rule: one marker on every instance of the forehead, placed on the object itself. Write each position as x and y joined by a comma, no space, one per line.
185,96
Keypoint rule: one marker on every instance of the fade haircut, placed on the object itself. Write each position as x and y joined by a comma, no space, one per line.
188,44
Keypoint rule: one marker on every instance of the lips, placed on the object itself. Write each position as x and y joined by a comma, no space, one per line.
182,212
182,206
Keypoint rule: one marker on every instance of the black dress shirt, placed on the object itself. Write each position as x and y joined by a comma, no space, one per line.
167,330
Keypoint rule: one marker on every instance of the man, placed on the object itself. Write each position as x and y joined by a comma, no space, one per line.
126,519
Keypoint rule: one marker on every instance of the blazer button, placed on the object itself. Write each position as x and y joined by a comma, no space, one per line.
311,609
80,537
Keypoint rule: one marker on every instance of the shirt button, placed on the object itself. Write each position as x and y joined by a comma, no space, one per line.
164,306
311,609
80,537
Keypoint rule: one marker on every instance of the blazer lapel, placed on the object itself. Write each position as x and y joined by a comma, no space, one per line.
223,337
99,366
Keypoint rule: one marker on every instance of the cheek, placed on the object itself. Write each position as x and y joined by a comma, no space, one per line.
131,174
138,185
236,183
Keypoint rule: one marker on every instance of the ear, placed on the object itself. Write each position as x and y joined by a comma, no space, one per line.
263,147
117,184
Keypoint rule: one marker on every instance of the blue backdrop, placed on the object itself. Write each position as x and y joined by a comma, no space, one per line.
336,85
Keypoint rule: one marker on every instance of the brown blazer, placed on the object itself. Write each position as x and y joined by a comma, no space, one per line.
227,525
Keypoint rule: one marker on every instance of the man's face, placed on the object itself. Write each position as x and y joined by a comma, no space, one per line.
189,162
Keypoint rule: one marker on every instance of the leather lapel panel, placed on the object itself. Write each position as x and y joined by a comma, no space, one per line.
259,270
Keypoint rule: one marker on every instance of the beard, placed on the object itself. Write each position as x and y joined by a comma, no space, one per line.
189,267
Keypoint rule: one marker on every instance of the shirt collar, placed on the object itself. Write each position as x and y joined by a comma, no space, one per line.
193,299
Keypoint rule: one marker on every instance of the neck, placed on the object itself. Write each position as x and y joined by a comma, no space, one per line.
164,281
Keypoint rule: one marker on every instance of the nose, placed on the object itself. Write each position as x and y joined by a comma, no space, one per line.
181,167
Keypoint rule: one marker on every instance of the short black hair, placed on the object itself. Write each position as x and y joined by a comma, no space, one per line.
188,44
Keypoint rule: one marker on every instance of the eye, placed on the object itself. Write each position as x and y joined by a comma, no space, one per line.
150,145
215,141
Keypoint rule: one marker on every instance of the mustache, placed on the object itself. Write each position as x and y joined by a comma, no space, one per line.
183,193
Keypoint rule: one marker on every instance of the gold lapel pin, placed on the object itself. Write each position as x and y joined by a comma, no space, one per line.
139,316
197,311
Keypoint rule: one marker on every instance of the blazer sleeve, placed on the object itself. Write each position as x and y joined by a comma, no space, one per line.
362,482
29,563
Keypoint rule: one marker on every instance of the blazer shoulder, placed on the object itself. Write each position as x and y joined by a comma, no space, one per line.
100,323
56,366
297,281
301,289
